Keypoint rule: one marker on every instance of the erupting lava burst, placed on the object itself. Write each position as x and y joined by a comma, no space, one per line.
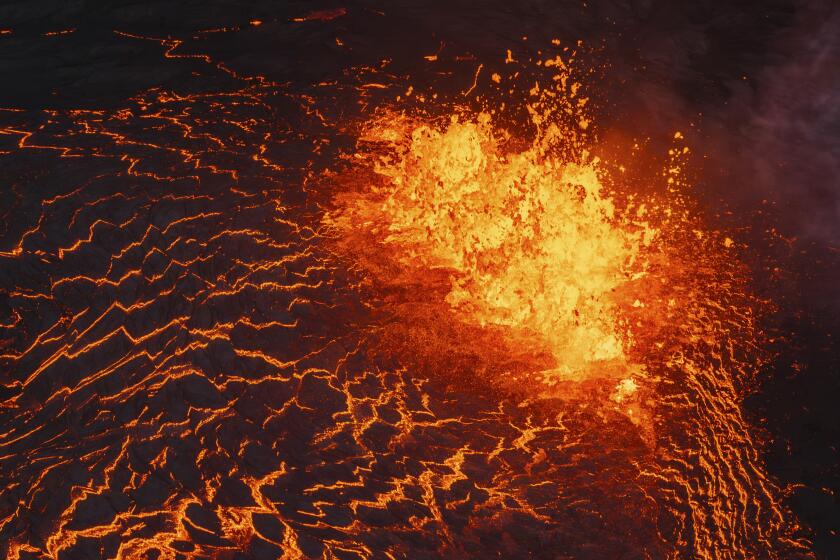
534,243
570,284
531,237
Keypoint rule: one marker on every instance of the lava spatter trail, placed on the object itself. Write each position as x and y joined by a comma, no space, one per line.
198,362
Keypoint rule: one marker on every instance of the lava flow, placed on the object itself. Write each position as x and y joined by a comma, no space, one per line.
566,285
241,320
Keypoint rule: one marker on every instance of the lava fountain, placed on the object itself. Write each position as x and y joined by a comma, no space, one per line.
533,243
570,281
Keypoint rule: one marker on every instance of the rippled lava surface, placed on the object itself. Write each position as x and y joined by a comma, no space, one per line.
188,368
186,377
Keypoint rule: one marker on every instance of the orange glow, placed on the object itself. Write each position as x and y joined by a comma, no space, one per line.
534,243
618,327
322,15
559,275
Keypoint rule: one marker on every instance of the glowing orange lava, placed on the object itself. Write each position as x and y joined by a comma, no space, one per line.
531,237
534,243
199,366
524,247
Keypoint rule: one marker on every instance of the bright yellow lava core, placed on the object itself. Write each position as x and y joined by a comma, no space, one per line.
533,243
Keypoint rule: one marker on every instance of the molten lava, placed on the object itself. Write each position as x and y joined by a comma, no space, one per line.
533,243
605,295
197,368
532,240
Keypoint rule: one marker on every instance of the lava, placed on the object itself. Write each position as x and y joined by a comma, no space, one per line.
360,330
602,295
534,243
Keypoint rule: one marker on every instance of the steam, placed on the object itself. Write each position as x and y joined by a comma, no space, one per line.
789,147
